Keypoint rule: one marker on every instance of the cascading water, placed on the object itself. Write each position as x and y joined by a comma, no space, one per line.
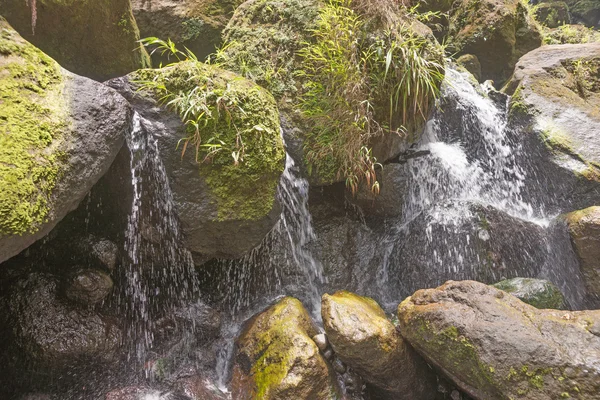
284,252
468,212
160,272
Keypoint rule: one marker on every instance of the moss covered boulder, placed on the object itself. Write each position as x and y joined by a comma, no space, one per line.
584,227
195,24
556,97
539,293
494,346
59,133
223,158
92,38
583,11
552,14
498,32
311,55
571,34
362,337
277,359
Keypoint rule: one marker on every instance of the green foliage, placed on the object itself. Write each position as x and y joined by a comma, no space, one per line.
231,123
31,129
570,34
359,86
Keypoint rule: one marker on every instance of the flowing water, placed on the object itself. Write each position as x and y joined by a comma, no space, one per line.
160,271
468,212
283,253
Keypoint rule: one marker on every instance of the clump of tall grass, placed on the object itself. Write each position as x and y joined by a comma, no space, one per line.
361,85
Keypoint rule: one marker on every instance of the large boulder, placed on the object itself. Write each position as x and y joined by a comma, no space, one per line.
225,204
364,339
277,359
583,11
539,293
50,332
195,24
270,42
497,32
59,133
493,346
556,97
584,227
97,39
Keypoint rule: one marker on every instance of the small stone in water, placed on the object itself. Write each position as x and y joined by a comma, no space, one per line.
328,354
455,395
321,341
339,366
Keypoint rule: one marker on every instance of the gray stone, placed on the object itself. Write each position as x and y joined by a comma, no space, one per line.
493,346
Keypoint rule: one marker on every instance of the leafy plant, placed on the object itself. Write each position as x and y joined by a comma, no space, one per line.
359,86
201,104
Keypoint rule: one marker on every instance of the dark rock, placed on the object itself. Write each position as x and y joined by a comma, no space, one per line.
200,388
364,339
103,47
88,287
552,14
194,24
92,120
536,292
494,346
51,332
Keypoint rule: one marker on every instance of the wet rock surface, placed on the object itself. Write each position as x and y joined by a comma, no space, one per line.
536,292
584,228
493,346
53,333
88,286
363,338
276,358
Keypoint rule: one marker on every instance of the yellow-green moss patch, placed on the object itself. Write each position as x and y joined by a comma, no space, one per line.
32,121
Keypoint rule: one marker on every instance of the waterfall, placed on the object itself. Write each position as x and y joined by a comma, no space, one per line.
281,265
160,272
469,212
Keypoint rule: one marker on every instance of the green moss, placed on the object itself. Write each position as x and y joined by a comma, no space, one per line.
261,42
31,130
570,34
240,150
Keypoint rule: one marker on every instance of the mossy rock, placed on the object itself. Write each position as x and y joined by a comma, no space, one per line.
556,96
536,292
571,34
362,336
93,38
498,32
226,206
277,359
264,41
584,228
552,14
493,346
584,11
59,133
195,24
